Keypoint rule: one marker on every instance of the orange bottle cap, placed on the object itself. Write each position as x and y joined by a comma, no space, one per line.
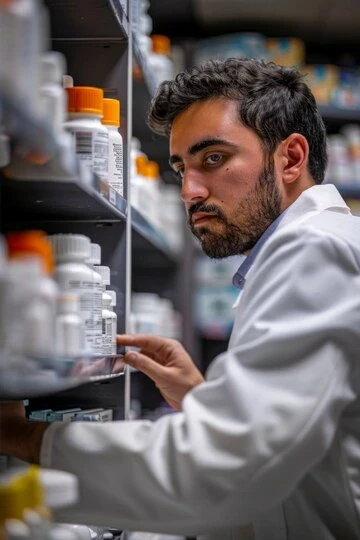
85,99
111,108
152,170
160,44
141,163
25,243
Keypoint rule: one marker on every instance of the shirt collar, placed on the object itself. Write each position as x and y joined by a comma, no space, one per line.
239,277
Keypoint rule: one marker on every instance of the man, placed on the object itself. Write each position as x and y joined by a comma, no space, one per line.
269,444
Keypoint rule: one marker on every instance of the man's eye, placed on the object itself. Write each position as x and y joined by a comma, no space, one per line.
179,174
213,159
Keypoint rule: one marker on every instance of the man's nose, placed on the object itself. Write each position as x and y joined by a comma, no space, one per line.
194,187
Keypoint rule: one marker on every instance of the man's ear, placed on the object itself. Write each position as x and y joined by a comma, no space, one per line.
294,155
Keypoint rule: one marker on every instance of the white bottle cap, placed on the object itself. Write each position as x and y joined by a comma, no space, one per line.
113,297
52,66
68,81
70,247
104,272
106,301
60,488
67,303
95,254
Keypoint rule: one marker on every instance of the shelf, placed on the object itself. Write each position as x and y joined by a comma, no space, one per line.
149,245
86,20
339,114
50,200
27,377
349,190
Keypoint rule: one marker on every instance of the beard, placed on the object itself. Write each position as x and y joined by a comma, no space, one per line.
252,217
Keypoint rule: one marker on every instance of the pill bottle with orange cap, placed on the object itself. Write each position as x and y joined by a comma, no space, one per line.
160,62
29,294
84,114
137,183
111,120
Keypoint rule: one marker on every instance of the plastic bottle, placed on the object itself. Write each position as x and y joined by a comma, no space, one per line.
73,275
159,60
53,102
30,301
53,98
85,110
145,306
138,185
21,43
69,331
114,320
92,262
111,120
104,272
107,325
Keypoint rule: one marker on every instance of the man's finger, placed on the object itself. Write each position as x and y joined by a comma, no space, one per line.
148,342
145,365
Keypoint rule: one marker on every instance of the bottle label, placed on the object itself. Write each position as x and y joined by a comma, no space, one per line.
90,296
92,150
107,336
116,167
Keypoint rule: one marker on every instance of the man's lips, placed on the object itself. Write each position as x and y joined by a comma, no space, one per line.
200,217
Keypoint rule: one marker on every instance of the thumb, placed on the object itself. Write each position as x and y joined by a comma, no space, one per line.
145,364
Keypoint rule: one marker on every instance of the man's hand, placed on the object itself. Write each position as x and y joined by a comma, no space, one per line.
166,362
19,437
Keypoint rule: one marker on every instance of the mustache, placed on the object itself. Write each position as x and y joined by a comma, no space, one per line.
209,209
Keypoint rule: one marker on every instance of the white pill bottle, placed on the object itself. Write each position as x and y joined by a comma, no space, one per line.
111,120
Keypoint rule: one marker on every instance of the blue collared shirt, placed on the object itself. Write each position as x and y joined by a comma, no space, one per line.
240,276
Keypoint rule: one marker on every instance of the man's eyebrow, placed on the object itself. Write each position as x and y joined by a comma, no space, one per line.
197,147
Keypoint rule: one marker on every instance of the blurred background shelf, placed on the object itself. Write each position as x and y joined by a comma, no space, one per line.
150,247
94,19
339,114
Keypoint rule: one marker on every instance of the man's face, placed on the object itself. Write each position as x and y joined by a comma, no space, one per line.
230,194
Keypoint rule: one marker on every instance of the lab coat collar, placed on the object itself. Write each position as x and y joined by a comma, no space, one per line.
311,201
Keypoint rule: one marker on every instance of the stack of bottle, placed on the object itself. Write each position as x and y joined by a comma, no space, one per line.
151,314
344,156
54,298
83,123
94,123
147,190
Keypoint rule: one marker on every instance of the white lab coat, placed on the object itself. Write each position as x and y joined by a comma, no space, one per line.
273,437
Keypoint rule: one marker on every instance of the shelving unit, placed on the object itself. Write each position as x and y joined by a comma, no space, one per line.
57,197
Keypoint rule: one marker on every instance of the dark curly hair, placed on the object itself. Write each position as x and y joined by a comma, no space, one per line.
273,101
